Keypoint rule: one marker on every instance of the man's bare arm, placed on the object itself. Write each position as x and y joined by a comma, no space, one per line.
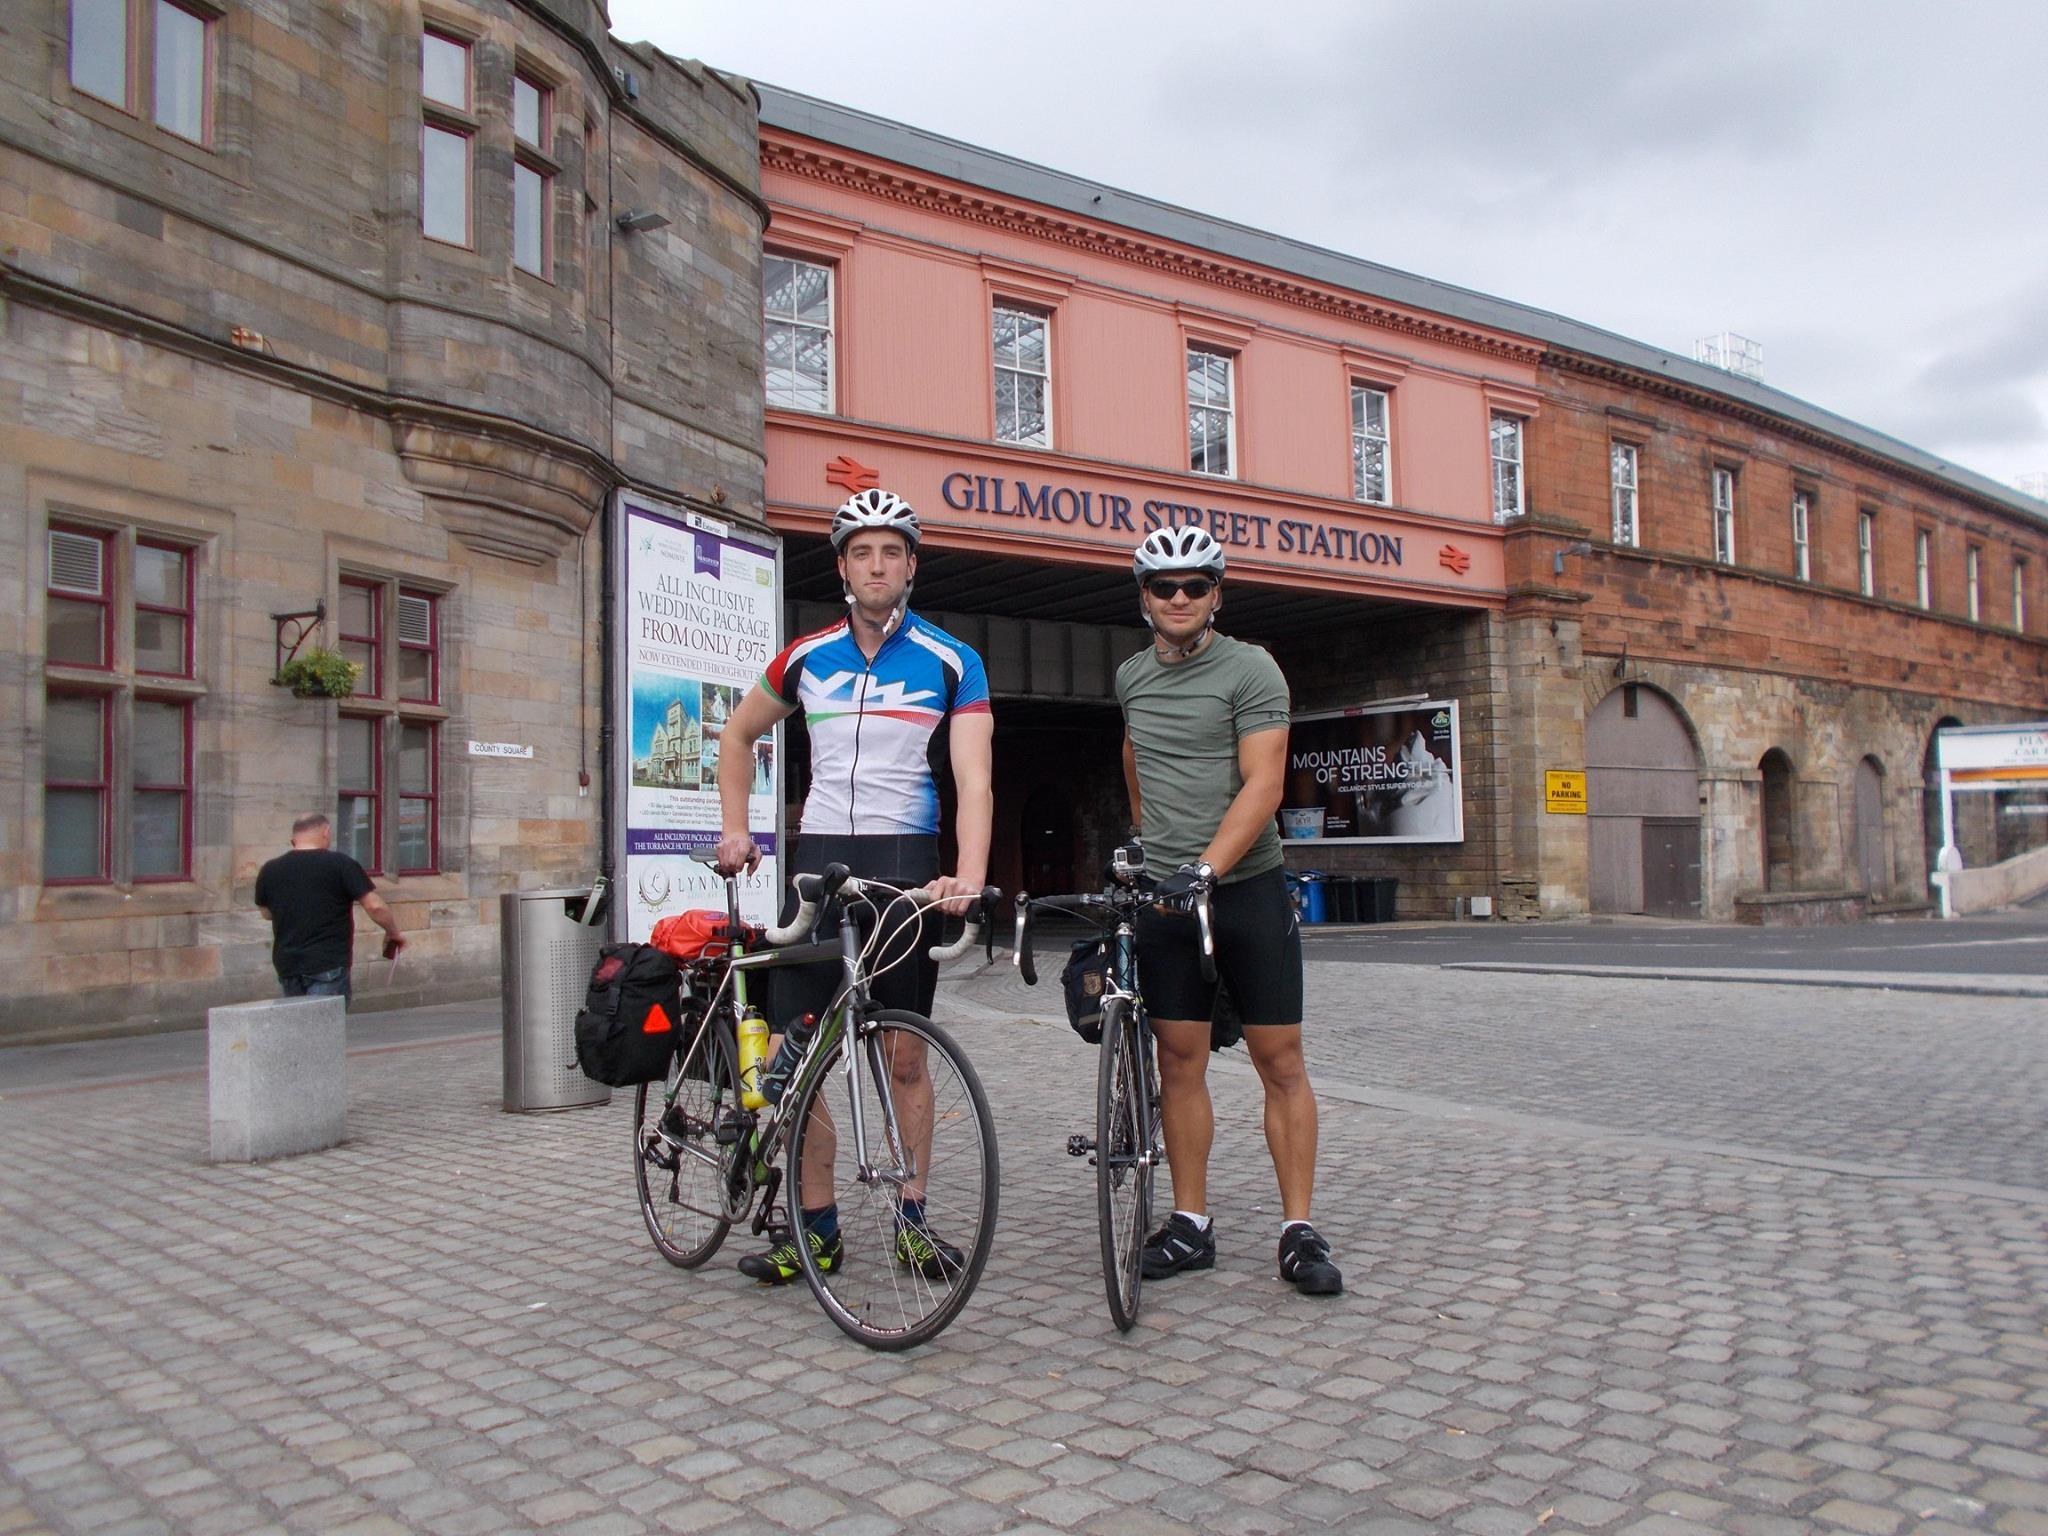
974,814
1262,760
1131,783
759,713
381,914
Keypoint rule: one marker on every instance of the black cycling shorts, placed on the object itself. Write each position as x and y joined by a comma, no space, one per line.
1258,955
912,984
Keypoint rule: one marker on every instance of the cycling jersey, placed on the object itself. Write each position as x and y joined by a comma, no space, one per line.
874,724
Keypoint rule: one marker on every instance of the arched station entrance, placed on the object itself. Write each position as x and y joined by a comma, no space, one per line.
1642,806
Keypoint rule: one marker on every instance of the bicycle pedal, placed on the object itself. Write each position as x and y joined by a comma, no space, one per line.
1080,1146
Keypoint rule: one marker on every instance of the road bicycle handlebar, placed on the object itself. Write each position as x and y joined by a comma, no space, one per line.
1117,904
814,891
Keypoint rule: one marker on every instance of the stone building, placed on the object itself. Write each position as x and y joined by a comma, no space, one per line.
356,314
1741,619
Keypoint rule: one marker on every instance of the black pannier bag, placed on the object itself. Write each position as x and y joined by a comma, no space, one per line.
1084,980
626,1032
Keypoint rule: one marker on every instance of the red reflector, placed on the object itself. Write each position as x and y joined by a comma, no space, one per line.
657,1021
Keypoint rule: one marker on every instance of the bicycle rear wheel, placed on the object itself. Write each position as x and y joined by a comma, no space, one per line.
683,1172
1123,1159
895,1282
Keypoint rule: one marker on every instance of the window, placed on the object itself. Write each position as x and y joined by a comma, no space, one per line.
1023,377
1621,474
78,621
180,84
1211,411
76,747
419,649
1866,557
123,52
533,178
161,814
1973,568
119,695
1505,438
387,778
1802,552
1724,516
359,785
1371,463
446,131
163,609
99,49
1923,569
2019,593
361,635
418,782
796,324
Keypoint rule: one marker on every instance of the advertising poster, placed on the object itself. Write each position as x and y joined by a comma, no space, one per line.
699,612
1379,774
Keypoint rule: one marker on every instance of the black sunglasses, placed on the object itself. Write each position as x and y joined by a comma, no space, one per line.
1166,589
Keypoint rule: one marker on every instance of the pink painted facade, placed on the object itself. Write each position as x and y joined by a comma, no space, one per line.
919,266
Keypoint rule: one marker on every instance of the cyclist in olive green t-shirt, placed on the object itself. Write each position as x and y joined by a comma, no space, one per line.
1205,756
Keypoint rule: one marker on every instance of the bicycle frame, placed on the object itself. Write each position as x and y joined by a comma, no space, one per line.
769,1130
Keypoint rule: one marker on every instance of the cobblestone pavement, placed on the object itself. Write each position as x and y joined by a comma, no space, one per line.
1621,1257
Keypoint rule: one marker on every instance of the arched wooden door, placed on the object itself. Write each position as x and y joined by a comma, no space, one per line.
1642,806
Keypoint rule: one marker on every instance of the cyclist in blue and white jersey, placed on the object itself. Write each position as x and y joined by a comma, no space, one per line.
886,698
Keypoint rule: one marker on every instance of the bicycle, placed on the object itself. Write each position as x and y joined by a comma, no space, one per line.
1129,1142
704,1160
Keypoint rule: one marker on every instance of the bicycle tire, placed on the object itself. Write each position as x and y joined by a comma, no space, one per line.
682,1173
872,1293
1123,1163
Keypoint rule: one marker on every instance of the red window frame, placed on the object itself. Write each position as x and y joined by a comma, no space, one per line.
207,26
372,686
458,122
103,787
105,600
184,555
374,793
431,795
183,790
432,649
530,155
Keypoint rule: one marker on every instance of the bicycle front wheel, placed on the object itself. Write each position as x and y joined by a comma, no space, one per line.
1123,1159
683,1170
911,1166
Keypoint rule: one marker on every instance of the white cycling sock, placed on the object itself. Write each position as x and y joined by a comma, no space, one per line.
1286,1224
1197,1218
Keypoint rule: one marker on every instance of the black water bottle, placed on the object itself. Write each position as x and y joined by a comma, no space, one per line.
794,1043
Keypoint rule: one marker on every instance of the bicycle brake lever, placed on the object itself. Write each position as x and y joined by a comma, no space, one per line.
1025,961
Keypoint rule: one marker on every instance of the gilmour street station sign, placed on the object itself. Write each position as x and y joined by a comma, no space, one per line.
1042,508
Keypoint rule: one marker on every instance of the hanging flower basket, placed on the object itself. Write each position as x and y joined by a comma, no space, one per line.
318,673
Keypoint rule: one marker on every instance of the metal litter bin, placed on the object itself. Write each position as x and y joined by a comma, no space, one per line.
548,953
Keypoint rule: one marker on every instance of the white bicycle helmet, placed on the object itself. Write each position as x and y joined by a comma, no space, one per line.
874,508
1177,549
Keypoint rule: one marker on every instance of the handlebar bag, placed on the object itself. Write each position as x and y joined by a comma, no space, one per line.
1084,980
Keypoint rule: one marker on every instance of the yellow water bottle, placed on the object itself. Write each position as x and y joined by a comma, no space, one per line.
753,1052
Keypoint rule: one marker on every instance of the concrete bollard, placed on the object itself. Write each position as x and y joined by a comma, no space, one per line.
276,1077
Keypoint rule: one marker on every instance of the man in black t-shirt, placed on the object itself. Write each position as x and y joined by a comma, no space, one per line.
310,895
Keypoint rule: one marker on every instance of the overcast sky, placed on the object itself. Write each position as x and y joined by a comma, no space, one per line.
1860,185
